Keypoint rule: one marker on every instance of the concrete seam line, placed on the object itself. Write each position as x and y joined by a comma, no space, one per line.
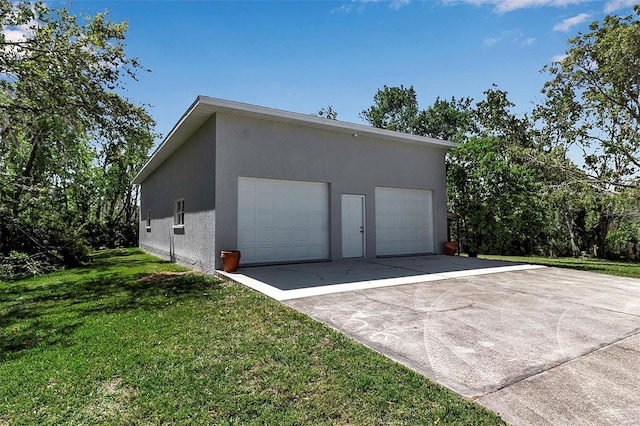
560,364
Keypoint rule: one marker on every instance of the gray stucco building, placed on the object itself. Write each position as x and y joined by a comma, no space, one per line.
287,187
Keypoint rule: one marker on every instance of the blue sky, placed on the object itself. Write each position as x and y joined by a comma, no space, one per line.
304,55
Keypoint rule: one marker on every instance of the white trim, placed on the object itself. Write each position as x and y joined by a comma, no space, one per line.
276,293
363,230
204,107
178,213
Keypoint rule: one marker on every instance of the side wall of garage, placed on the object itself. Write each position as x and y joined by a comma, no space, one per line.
350,164
186,175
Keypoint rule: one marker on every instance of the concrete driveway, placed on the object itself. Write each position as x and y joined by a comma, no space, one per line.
537,345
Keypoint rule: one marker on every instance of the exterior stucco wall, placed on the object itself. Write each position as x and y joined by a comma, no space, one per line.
187,174
351,165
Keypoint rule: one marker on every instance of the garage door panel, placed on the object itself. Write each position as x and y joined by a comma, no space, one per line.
246,204
246,238
263,185
264,220
247,220
264,202
264,238
291,220
404,221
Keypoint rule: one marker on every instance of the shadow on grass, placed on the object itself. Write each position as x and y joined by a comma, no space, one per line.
47,310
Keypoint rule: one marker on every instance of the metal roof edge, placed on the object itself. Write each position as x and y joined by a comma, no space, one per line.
173,141
322,122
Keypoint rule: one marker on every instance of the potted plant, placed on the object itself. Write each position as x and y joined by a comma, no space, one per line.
230,260
451,248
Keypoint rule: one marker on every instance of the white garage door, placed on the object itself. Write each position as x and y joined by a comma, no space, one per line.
404,221
282,220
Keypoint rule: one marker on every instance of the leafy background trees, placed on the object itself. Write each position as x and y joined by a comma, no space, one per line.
560,181
69,141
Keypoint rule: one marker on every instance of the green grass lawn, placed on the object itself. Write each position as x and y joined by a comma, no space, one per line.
610,267
130,340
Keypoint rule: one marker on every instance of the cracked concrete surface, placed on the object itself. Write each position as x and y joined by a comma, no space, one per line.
541,346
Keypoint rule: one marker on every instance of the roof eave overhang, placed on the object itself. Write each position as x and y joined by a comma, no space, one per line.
203,108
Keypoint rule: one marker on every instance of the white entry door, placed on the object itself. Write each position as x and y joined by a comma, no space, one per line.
352,226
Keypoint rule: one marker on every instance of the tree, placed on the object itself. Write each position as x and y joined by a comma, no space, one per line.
69,142
494,197
448,120
327,112
592,106
492,183
395,108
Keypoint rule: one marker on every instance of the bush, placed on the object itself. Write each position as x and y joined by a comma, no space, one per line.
18,265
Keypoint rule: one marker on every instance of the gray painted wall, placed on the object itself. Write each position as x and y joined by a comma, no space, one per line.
187,174
352,165
205,170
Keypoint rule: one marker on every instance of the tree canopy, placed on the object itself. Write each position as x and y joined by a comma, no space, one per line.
592,109
593,101
69,140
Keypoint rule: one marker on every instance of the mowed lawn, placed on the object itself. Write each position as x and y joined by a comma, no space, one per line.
603,266
131,339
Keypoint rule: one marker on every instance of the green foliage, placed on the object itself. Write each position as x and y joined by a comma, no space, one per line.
623,238
69,143
134,340
394,108
328,113
512,181
19,265
610,267
448,120
591,106
494,197
592,100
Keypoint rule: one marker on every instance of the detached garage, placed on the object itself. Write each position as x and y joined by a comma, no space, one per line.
286,187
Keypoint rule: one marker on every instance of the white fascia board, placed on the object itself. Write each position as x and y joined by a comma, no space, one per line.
204,107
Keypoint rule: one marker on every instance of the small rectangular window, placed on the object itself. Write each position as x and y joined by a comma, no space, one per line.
148,220
179,216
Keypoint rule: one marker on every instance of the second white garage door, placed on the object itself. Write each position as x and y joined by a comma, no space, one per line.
282,220
404,221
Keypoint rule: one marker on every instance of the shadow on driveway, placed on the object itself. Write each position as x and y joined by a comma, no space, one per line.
308,275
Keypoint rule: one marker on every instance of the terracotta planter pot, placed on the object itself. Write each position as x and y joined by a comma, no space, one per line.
230,260
451,248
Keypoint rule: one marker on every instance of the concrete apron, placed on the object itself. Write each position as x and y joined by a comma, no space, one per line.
294,281
538,346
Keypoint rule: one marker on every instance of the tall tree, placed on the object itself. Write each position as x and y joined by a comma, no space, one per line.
68,140
592,107
491,182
